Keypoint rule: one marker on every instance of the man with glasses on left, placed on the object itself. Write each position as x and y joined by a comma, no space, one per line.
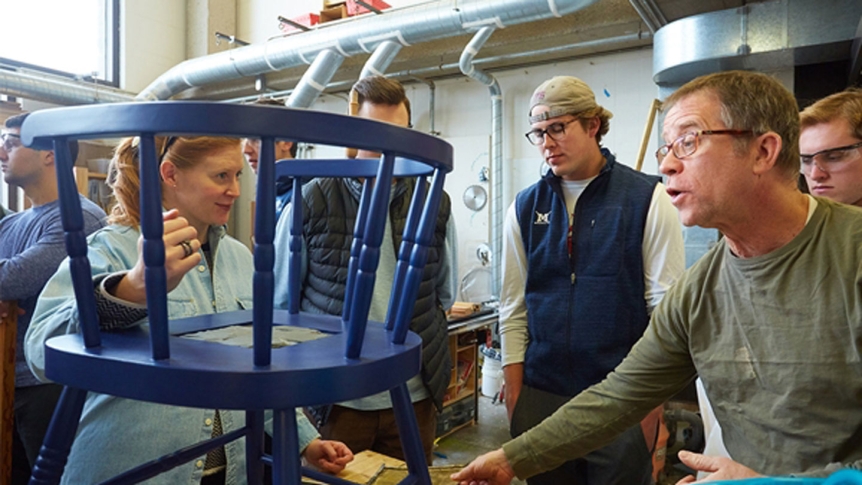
830,146
31,248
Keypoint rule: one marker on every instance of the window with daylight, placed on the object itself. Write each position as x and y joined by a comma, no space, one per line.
77,39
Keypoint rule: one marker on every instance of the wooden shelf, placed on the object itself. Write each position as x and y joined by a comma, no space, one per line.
460,406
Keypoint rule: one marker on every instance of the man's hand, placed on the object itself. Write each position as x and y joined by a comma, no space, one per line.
489,469
328,456
719,468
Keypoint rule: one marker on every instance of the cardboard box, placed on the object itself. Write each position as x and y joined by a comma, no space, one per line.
334,13
332,3
354,8
309,19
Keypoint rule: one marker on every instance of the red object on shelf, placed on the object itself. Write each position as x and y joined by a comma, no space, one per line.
354,8
307,20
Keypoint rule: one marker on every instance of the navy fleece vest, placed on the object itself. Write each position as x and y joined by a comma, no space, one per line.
329,217
584,312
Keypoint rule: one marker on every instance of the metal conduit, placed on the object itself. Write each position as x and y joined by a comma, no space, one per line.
380,59
315,79
495,209
58,90
357,35
618,42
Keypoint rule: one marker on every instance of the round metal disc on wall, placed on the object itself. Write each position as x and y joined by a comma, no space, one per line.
475,197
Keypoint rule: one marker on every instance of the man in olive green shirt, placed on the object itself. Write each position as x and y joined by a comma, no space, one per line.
770,318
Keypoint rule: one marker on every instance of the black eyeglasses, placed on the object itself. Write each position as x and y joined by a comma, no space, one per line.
687,144
10,140
554,130
831,159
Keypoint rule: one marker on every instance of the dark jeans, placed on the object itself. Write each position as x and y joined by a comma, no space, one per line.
34,407
626,461
377,430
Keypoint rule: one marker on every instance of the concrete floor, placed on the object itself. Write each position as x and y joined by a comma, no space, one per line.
492,430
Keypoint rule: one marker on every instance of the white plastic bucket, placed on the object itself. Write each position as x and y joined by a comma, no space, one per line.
492,376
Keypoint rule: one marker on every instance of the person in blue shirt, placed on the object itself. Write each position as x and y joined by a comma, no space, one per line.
31,249
207,272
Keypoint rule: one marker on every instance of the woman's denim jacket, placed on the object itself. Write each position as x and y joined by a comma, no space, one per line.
117,434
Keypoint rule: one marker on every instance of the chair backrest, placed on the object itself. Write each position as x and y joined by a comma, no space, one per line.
421,153
368,237
8,332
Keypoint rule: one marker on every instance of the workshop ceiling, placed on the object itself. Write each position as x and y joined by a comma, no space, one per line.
606,26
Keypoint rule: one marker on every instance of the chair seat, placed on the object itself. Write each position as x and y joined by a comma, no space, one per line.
215,375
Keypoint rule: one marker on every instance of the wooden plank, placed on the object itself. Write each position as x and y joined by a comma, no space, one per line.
653,109
8,331
82,179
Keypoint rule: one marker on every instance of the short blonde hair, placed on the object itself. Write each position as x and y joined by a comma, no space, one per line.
846,105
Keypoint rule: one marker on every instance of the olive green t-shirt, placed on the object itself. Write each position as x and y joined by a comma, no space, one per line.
775,338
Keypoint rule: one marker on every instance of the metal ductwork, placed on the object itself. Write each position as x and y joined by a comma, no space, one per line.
58,90
496,209
357,36
380,59
314,80
764,37
649,12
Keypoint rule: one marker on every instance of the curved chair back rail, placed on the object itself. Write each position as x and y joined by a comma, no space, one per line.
356,358
222,119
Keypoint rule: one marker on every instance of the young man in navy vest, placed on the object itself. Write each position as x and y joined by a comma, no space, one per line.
589,250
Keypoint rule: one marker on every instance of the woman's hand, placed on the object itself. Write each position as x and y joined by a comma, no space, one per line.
181,255
328,456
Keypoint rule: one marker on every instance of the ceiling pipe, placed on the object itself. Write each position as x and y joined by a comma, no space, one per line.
432,88
315,79
642,13
654,12
567,51
58,90
496,210
356,35
380,59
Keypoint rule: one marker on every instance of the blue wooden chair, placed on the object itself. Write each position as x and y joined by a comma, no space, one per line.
357,358
842,477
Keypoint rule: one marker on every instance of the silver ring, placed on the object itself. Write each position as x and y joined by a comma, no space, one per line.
187,248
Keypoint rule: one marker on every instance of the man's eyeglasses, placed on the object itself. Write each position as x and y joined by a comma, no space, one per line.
554,130
829,160
687,144
10,141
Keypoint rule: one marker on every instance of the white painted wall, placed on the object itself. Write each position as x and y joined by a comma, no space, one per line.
152,40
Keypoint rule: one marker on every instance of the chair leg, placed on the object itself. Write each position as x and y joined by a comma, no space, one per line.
254,446
408,429
58,441
286,468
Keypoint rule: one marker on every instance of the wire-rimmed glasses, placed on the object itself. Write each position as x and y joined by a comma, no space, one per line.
687,144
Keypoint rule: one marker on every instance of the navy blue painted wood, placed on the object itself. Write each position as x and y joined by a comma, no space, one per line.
356,358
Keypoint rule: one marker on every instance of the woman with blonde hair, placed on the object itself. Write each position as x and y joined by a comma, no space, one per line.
207,272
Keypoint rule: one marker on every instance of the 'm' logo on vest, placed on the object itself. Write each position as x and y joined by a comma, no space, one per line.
542,219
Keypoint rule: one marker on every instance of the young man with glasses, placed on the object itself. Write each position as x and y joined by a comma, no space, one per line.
769,318
589,250
830,145
31,248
